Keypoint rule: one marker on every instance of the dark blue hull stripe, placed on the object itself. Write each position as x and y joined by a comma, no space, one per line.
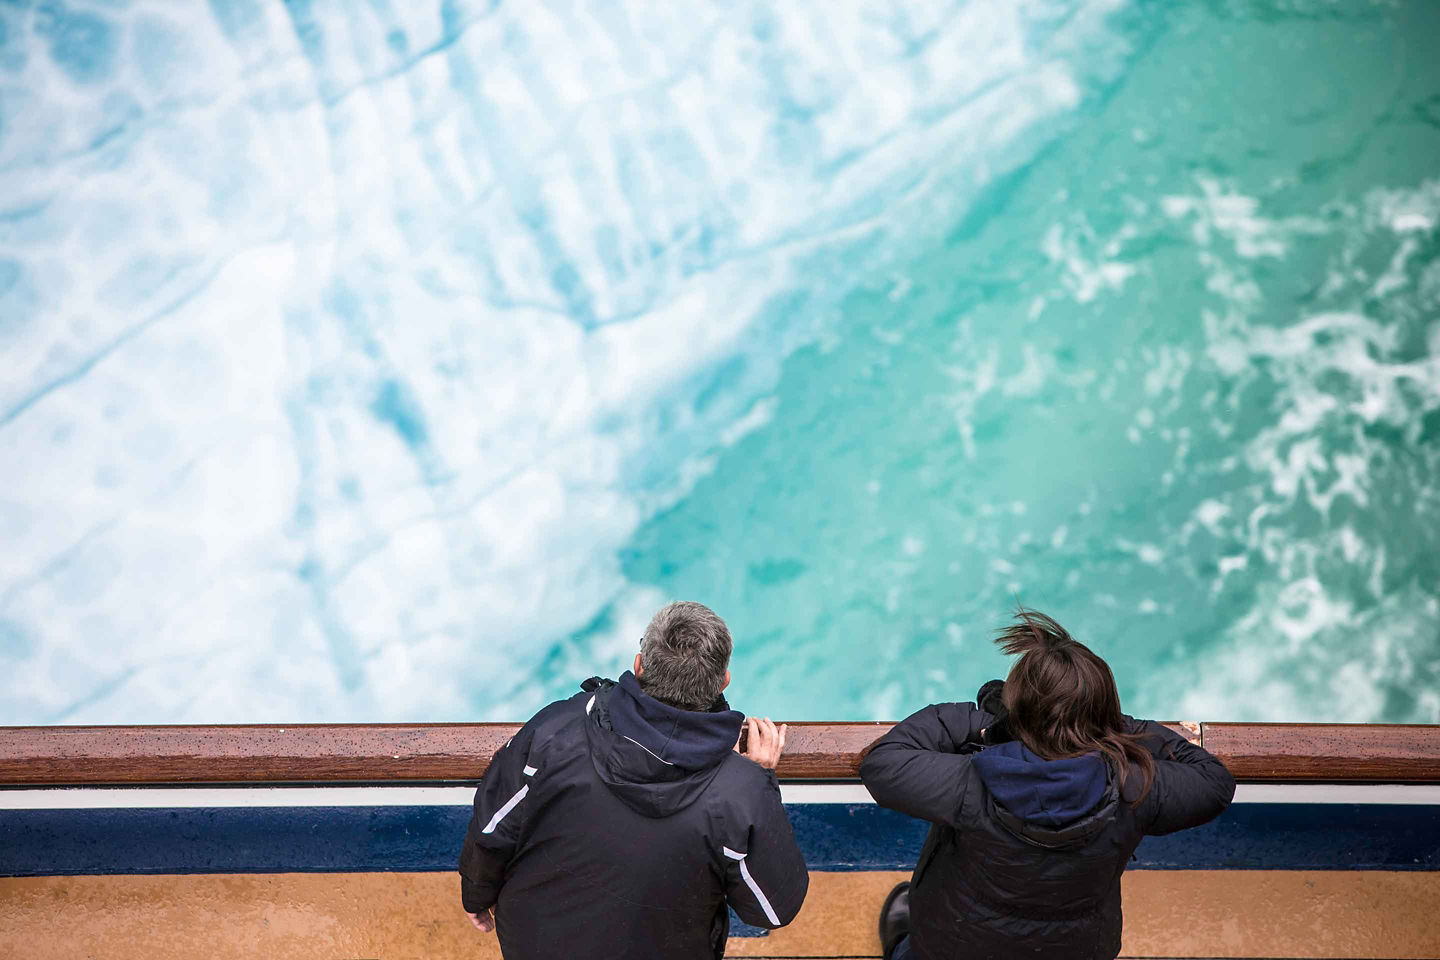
1273,836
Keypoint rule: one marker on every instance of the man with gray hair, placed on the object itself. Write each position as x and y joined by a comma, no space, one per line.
622,822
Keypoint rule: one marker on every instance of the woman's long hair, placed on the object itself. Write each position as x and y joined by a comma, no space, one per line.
1062,700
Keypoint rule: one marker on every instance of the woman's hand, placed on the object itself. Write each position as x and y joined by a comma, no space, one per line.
484,921
991,700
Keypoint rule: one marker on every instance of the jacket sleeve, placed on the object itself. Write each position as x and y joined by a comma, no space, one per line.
765,874
1191,785
917,767
498,821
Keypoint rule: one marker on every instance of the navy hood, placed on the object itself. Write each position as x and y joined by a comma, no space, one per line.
688,739
1044,793
656,758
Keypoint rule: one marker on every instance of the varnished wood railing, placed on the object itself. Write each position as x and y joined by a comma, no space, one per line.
420,752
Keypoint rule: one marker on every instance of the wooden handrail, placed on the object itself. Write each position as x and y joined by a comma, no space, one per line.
1327,752
430,752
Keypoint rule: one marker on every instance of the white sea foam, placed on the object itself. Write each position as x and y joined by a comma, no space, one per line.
1086,276
1235,216
1296,656
345,350
1329,633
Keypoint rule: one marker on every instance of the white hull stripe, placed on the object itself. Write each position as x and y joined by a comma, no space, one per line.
754,887
113,798
511,804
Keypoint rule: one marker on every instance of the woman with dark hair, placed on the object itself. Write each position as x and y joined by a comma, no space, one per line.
1036,798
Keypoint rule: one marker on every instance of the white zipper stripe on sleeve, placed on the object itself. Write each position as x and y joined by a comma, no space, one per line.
590,704
510,805
754,887
531,771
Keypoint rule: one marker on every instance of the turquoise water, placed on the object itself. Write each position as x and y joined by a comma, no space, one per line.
380,363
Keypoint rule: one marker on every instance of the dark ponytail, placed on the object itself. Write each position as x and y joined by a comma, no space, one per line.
1062,700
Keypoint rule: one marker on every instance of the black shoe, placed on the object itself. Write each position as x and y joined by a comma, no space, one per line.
895,918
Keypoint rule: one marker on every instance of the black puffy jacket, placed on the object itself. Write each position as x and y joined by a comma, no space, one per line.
1024,855
614,825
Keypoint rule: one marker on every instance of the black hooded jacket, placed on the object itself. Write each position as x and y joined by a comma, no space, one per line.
614,825
1024,854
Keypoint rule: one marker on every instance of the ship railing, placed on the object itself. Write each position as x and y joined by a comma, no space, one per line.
421,753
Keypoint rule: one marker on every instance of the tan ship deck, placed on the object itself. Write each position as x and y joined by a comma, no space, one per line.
376,916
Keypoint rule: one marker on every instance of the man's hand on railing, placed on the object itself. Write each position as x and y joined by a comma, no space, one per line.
765,742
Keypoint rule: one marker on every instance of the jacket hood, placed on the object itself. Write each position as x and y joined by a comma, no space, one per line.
689,739
655,757
1050,803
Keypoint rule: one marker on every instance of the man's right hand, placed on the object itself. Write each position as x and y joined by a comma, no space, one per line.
484,921
765,743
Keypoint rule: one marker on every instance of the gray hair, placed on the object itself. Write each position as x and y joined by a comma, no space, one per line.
685,653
